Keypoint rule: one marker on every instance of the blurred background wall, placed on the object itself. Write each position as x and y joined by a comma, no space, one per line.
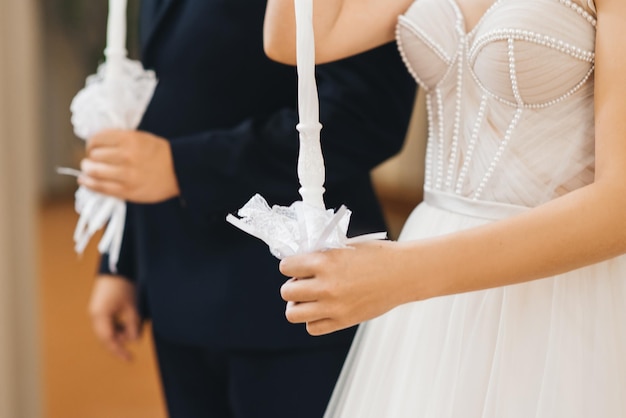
19,129
50,364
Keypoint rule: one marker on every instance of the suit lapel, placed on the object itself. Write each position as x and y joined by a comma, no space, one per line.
153,15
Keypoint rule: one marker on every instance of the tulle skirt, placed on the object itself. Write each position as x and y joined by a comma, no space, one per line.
550,348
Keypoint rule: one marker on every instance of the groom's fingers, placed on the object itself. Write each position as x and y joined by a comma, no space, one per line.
109,155
102,171
110,188
104,328
106,138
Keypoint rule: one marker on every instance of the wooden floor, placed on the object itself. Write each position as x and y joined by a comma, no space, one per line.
81,380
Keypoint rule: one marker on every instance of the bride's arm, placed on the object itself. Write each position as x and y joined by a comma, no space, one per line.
342,27
578,229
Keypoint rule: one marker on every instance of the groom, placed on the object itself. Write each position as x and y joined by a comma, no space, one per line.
221,127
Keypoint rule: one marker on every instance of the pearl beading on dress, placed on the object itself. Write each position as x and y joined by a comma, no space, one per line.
513,73
442,150
580,10
428,165
494,162
529,36
407,24
457,117
480,118
435,47
535,105
440,139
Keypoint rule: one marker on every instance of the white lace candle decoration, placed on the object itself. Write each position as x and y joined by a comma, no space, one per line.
116,97
306,225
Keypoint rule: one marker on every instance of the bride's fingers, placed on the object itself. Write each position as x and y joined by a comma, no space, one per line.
299,290
301,312
323,326
305,265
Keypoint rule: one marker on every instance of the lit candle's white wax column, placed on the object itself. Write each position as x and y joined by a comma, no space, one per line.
311,172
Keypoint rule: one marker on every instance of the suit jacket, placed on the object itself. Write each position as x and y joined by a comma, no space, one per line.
230,114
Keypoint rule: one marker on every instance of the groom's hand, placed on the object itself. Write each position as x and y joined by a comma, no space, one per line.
132,165
114,316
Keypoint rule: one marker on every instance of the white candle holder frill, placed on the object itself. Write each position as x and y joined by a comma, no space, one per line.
116,97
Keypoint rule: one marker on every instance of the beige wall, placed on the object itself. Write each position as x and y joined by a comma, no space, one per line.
19,131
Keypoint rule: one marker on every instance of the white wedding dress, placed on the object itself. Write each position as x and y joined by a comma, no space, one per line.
511,126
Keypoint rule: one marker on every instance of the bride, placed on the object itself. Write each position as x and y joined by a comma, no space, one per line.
505,295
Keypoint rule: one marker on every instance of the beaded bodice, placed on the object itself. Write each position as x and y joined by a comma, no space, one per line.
510,101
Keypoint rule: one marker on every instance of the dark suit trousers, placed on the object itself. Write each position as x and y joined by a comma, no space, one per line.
202,383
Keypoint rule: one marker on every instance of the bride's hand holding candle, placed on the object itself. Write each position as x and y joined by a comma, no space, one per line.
335,289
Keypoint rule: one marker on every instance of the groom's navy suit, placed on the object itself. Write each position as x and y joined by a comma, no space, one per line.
230,115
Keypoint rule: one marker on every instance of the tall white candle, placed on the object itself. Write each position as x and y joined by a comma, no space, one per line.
311,172
116,29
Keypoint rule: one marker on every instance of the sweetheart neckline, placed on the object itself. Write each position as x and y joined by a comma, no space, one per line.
463,20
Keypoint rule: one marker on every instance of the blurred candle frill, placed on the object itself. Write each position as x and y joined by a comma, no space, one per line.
116,97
